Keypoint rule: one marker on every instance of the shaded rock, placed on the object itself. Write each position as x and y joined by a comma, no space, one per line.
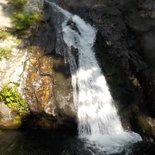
145,126
63,88
8,120
143,148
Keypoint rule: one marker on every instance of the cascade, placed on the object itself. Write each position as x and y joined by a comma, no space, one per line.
98,120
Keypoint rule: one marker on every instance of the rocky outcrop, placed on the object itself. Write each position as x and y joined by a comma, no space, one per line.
43,80
11,74
48,93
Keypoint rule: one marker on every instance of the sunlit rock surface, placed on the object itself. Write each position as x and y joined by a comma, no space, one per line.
12,68
5,14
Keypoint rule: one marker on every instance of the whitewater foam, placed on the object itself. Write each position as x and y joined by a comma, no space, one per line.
98,121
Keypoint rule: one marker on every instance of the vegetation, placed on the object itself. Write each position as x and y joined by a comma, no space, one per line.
23,21
4,34
18,4
13,99
5,53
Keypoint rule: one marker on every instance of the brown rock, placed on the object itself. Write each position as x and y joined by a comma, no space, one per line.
39,83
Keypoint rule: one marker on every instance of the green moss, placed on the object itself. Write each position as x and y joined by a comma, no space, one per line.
4,34
18,4
17,120
23,21
5,53
13,99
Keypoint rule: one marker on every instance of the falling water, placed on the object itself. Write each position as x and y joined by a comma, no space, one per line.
98,120
96,112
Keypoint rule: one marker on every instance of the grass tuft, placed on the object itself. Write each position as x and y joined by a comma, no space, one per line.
13,99
18,4
5,53
4,34
23,21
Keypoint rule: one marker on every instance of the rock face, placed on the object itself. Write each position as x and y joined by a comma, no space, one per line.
39,84
48,93
43,80
11,73
125,50
5,14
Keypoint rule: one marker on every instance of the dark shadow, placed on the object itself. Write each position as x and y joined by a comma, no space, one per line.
42,143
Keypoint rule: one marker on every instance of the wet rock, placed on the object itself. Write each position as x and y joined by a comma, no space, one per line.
63,88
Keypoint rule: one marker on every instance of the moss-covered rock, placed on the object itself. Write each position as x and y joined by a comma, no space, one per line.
13,99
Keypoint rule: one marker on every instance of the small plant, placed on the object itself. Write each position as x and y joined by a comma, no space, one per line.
13,99
4,34
5,53
23,21
18,4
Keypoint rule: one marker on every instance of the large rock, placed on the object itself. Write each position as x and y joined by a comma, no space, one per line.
45,86
49,93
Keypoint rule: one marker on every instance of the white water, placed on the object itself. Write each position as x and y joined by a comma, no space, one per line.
96,112
97,116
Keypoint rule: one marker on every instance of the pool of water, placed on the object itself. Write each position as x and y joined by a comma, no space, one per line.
40,143
36,142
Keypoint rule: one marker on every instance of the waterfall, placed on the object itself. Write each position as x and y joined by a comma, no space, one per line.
96,112
98,120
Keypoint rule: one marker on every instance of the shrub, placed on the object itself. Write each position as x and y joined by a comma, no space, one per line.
13,99
4,34
5,53
19,4
23,21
